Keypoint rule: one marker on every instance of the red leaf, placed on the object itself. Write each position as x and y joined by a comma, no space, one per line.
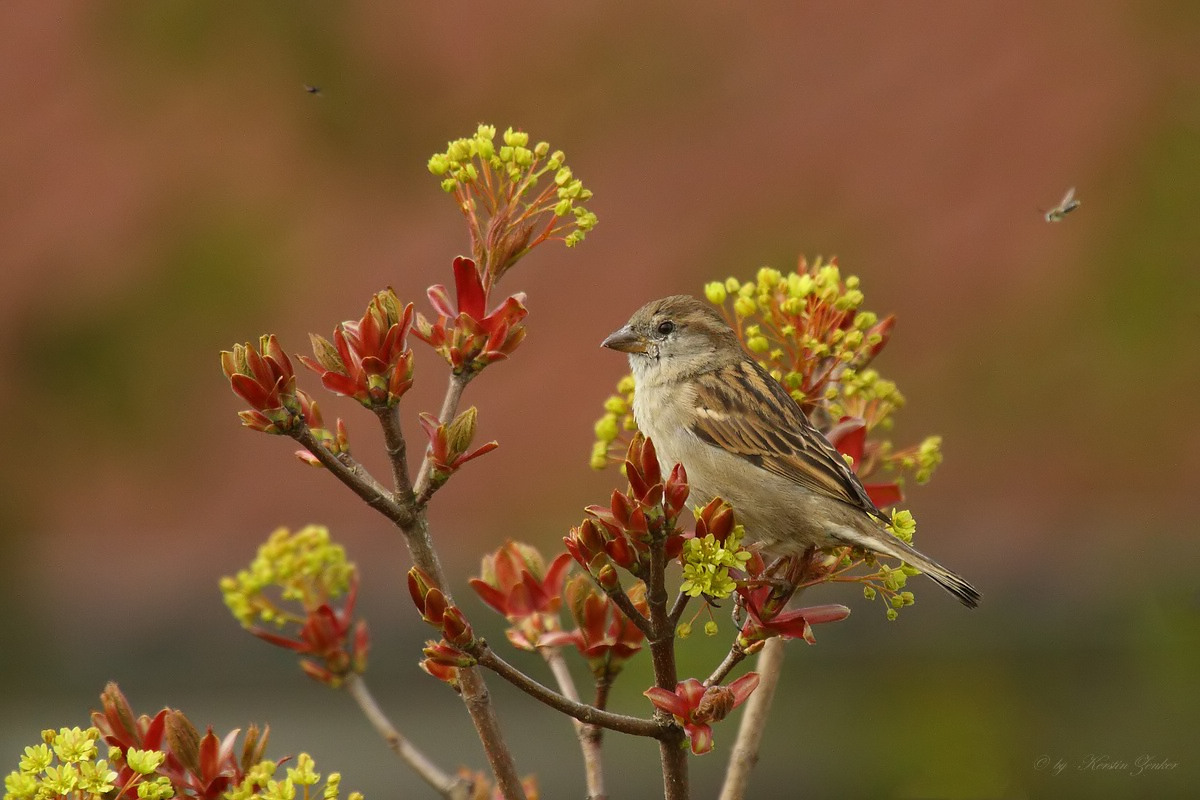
468,285
884,494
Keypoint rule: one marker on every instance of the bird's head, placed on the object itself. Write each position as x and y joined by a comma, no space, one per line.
678,334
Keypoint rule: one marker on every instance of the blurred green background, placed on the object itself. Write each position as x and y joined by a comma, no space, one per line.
167,188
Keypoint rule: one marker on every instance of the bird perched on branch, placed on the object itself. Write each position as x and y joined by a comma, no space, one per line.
708,405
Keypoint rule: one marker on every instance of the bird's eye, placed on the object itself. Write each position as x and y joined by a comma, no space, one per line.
665,328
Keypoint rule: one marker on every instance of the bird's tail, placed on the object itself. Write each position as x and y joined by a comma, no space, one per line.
889,545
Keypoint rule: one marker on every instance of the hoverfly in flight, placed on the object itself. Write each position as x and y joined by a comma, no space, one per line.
1066,206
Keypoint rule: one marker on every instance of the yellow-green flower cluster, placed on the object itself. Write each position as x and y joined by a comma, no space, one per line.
885,580
706,564
618,417
63,765
864,394
903,525
479,170
160,788
804,327
305,567
300,783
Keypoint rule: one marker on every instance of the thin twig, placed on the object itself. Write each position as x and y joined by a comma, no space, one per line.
397,451
588,735
732,659
681,601
621,601
356,477
744,756
403,510
635,726
450,787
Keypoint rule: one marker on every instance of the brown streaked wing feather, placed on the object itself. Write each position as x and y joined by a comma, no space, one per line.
773,434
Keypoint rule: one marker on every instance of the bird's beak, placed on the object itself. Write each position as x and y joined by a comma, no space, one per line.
625,340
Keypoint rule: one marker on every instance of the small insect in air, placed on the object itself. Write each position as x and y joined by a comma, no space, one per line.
313,90
1065,206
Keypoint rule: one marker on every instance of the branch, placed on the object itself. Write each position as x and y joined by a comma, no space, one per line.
635,726
662,652
415,526
449,787
356,477
397,450
754,722
732,659
681,601
588,735
621,601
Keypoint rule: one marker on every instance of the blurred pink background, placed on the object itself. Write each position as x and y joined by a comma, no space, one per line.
169,188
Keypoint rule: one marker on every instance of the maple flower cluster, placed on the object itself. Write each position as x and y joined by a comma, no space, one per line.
294,582
156,758
499,188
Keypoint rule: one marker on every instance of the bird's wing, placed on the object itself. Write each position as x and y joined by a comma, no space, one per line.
743,410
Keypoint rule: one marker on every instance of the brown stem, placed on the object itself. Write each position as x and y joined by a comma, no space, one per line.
754,722
662,654
635,726
410,518
732,659
356,477
448,786
622,601
681,601
397,451
588,735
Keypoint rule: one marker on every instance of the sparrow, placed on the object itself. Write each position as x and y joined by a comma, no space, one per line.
706,404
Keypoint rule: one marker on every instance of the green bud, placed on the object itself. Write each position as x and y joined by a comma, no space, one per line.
851,299
541,148
516,138
448,185
710,628
768,277
438,164
732,285
801,287
684,630
865,319
744,306
892,614
616,405
715,292
585,220
459,150
599,458
606,428
758,344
